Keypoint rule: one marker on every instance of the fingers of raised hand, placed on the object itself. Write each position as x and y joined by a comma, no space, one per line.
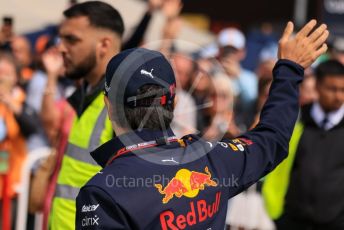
306,29
287,32
317,33
321,39
314,43
321,51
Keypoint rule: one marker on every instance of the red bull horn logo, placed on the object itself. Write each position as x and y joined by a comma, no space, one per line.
186,183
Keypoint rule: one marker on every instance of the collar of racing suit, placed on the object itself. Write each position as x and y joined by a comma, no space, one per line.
106,151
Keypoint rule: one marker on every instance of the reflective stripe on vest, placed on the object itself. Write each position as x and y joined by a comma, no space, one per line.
276,183
83,154
87,133
67,192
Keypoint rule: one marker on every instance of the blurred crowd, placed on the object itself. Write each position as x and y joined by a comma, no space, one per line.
221,89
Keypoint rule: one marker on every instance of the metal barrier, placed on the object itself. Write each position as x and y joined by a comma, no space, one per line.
23,188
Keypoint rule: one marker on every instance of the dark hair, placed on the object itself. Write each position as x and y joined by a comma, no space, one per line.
7,20
160,117
329,68
100,14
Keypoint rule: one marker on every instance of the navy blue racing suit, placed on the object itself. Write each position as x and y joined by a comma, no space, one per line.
186,184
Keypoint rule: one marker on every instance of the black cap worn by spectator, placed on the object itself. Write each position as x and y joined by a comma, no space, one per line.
131,69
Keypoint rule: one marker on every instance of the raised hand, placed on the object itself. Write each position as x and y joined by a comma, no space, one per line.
172,8
53,62
306,46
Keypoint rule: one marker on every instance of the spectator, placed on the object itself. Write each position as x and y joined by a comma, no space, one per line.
184,119
184,67
305,192
33,81
169,34
21,50
232,52
220,114
171,10
16,123
6,33
13,96
63,90
202,89
308,92
90,35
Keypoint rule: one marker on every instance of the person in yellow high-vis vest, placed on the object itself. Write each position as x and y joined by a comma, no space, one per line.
90,35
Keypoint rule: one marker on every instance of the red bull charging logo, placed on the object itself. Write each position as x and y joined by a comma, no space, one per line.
186,183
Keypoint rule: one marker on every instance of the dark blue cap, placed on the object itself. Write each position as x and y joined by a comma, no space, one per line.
133,68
